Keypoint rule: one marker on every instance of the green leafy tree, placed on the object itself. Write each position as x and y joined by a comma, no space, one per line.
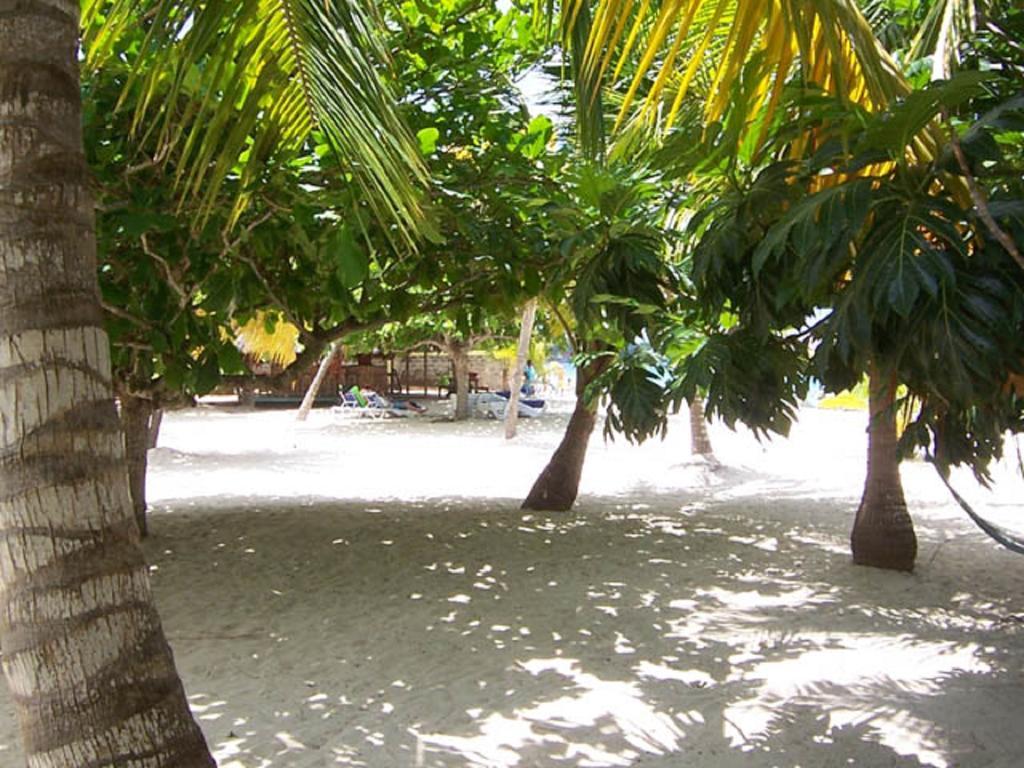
718,53
170,330
491,161
887,275
613,275
306,249
734,97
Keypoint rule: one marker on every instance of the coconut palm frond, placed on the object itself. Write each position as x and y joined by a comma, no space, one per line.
226,85
667,46
576,31
269,338
947,24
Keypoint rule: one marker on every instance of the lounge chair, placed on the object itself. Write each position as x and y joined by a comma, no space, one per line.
494,405
369,404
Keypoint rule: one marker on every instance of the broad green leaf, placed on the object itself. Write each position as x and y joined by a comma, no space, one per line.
353,263
428,140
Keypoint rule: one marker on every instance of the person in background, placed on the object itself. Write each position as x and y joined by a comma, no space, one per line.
529,379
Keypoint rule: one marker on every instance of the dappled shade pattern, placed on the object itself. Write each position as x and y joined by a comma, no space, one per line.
634,633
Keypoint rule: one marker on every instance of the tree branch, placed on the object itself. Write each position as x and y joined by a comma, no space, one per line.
475,341
233,247
272,295
183,297
117,312
569,335
423,345
978,198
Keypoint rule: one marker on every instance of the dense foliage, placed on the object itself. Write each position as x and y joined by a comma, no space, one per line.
889,267
179,274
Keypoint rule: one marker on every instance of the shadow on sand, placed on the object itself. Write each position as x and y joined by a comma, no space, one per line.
692,629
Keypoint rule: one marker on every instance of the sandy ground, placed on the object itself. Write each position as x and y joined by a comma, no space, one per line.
369,594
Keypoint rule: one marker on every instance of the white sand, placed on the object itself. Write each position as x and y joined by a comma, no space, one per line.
369,594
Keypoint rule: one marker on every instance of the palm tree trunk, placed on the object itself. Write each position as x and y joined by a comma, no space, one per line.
883,533
700,440
558,485
136,417
92,677
314,387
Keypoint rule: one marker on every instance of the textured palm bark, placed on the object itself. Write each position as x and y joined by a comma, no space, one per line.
700,440
558,485
883,533
136,417
91,677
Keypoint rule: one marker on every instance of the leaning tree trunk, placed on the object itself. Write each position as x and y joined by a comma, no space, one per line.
314,387
700,440
136,418
883,533
559,484
91,676
155,422
522,351
458,351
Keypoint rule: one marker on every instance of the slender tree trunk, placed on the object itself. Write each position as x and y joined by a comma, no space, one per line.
155,422
558,485
458,351
700,440
525,334
314,387
883,533
91,676
247,392
136,417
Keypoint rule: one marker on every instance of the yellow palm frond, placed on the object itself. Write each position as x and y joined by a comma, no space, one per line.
827,43
268,338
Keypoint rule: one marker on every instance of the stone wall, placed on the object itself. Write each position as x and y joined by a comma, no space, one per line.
491,372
